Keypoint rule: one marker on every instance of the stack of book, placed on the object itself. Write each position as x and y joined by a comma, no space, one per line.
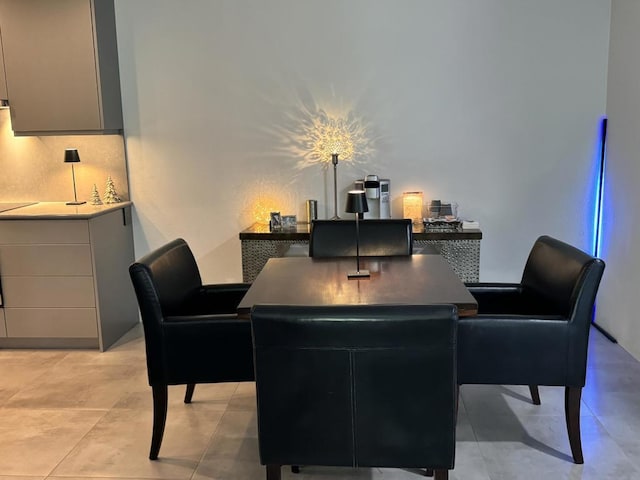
470,225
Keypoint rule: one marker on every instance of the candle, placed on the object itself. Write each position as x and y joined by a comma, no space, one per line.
412,206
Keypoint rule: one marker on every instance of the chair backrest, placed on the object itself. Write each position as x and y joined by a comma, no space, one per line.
356,385
559,279
337,238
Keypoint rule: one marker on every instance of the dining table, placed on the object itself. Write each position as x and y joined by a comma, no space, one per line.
399,280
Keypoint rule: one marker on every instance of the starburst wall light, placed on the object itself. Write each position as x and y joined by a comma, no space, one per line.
330,138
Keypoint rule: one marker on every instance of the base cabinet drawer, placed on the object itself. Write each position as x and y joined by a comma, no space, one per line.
52,291
51,322
18,232
3,328
46,260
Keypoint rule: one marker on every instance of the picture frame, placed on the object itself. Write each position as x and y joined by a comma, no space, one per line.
275,222
289,222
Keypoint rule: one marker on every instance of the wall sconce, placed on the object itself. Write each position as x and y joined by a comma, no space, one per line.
328,138
412,206
71,156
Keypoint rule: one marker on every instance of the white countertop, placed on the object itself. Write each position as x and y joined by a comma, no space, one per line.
60,210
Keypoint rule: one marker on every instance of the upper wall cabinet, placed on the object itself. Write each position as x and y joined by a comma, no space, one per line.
3,81
61,64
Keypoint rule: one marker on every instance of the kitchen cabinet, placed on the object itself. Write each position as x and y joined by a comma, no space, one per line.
3,328
65,279
61,65
3,81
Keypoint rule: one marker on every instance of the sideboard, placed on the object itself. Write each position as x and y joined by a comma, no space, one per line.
460,248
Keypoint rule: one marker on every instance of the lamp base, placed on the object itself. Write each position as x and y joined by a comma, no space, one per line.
358,274
335,217
75,203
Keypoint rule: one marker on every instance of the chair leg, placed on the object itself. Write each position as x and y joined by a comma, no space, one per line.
572,397
160,396
535,394
273,472
441,474
188,395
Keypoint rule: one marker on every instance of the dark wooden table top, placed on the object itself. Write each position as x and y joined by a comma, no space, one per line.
412,280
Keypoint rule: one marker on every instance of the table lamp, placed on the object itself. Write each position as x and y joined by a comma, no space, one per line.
357,203
71,156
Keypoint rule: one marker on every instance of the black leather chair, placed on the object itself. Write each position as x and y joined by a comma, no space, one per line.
337,238
357,386
535,332
192,334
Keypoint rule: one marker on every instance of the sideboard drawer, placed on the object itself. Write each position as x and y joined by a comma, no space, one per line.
16,232
74,292
58,260
51,322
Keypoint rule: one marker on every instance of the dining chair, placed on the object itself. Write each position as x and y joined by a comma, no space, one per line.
378,237
356,386
535,332
191,331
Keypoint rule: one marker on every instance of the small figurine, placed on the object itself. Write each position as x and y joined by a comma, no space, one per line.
95,196
110,194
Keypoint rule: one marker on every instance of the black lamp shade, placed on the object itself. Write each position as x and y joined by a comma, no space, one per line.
356,202
71,155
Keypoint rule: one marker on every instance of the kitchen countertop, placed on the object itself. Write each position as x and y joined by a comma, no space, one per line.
60,210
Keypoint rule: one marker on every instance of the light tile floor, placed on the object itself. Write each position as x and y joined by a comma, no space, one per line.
78,415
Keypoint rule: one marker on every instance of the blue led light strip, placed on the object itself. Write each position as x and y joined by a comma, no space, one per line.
597,227
597,218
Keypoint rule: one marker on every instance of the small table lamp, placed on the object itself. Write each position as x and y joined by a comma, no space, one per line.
357,203
71,156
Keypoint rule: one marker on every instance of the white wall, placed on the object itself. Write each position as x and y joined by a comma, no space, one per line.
617,310
493,104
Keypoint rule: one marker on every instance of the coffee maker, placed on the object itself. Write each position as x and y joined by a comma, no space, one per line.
378,195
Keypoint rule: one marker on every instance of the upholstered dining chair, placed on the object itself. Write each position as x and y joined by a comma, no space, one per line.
357,386
192,334
535,332
337,238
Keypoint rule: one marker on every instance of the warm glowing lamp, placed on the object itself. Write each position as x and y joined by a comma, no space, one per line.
412,206
71,156
357,203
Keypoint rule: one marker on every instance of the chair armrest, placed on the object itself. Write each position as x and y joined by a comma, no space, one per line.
215,319
225,288
498,298
493,287
215,299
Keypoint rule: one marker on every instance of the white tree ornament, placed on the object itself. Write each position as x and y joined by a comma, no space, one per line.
110,194
95,196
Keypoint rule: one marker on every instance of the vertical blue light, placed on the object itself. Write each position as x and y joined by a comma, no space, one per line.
599,194
598,207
